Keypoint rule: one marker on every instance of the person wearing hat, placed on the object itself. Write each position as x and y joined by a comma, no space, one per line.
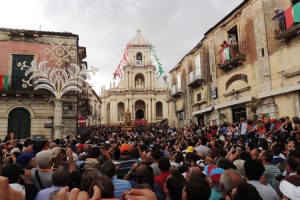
190,149
213,176
126,160
42,174
290,188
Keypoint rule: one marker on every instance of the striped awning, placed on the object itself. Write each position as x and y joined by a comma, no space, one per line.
204,110
234,102
279,91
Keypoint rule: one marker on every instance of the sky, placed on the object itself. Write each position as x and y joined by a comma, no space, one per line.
106,26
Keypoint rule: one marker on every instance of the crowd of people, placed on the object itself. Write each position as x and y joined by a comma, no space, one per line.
248,160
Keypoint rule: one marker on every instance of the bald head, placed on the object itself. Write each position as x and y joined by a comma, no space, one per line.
193,171
230,179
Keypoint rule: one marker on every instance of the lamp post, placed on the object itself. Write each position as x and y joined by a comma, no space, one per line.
58,80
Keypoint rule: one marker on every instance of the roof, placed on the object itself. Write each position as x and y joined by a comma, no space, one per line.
38,32
139,40
227,16
207,32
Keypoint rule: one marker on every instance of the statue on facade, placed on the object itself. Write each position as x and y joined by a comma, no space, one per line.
139,81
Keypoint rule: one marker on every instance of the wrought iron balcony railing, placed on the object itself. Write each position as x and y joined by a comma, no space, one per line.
195,78
231,56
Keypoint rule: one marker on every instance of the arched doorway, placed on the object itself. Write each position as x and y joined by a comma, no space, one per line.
140,109
121,111
19,123
159,111
139,114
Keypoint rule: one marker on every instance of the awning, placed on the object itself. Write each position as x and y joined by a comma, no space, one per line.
234,102
279,91
202,110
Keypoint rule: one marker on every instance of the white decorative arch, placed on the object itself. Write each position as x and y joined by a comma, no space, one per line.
30,110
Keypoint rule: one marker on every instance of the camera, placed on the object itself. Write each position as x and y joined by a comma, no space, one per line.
8,154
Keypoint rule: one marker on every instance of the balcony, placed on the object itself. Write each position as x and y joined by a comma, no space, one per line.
195,79
176,91
285,29
137,90
232,56
199,103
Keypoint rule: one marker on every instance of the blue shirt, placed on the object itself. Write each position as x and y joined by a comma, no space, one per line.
45,193
120,186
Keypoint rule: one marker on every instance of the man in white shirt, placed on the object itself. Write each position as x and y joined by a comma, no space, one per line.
254,169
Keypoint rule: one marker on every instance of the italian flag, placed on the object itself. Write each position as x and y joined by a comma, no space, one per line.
3,82
214,122
292,15
265,117
227,53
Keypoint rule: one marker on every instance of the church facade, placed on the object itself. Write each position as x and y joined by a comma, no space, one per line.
140,92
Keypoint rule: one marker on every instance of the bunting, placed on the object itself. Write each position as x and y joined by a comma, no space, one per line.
3,82
119,71
160,69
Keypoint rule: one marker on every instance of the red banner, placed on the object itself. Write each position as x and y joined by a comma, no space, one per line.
289,18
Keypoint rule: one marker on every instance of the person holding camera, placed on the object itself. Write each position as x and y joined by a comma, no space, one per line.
42,174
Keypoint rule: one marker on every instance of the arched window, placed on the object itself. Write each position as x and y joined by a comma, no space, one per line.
139,58
19,123
121,111
159,111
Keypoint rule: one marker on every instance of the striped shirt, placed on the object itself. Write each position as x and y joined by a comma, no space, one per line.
120,186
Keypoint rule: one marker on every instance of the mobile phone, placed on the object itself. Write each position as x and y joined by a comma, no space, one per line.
23,172
234,145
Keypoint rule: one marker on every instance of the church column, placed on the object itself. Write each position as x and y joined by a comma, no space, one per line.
149,80
149,109
146,79
127,85
153,110
129,78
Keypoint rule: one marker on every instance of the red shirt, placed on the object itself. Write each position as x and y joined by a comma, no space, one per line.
160,179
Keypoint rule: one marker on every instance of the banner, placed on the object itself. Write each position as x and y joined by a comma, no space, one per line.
3,82
119,71
160,69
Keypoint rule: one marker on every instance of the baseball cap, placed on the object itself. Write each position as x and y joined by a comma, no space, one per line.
272,120
215,174
43,158
80,146
289,190
208,168
15,150
190,149
125,148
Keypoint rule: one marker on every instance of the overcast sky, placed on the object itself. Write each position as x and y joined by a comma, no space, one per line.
106,26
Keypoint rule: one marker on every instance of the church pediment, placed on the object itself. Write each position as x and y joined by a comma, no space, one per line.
139,39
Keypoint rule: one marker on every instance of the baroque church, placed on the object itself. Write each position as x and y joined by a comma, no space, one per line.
140,92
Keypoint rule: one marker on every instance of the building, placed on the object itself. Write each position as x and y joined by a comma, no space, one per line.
140,92
255,73
94,107
25,111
